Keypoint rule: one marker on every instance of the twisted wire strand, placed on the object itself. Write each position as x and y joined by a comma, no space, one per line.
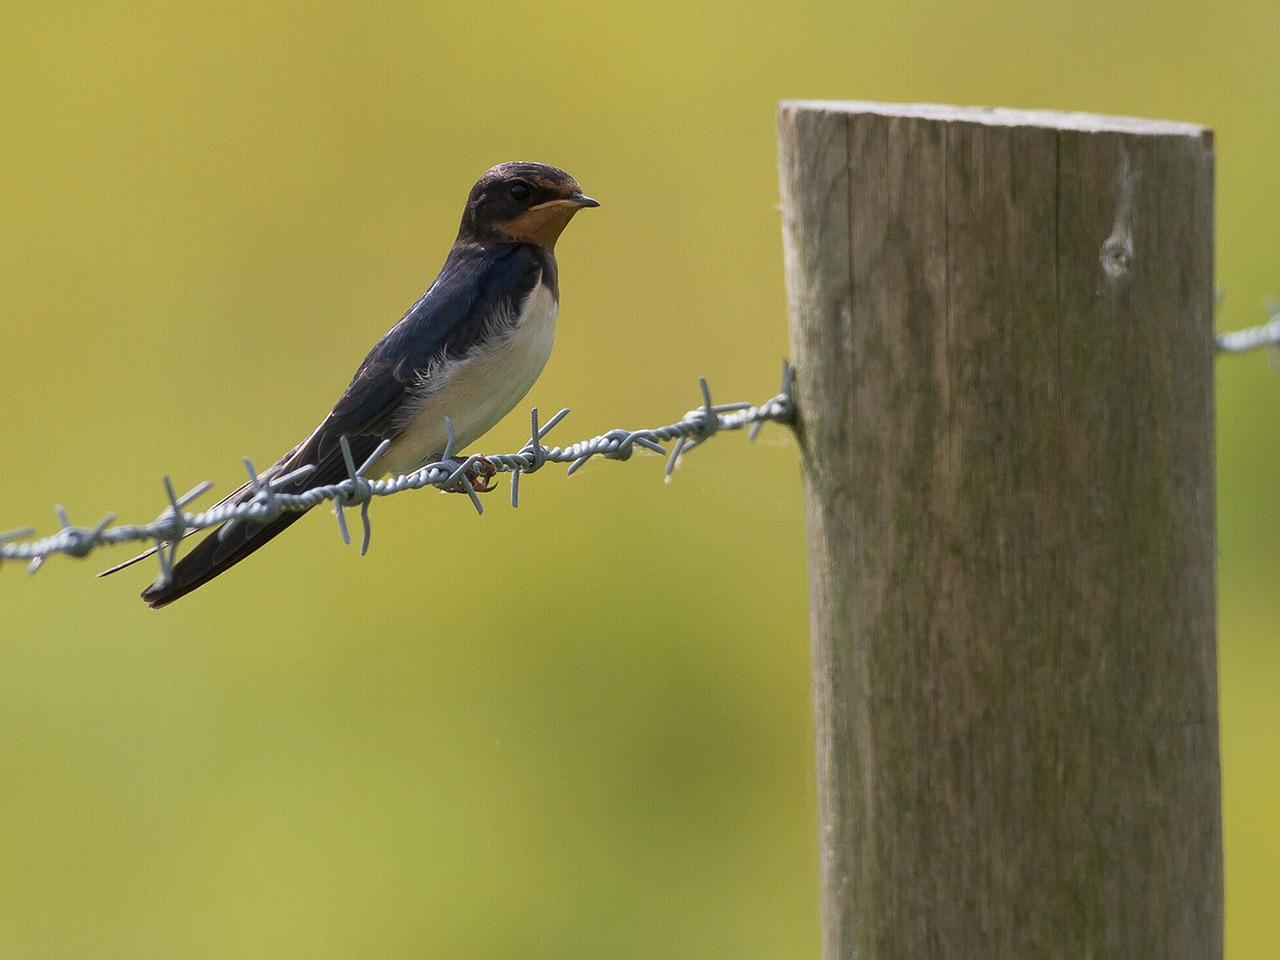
1252,338
449,473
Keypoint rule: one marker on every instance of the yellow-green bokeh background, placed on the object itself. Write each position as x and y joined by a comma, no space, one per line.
578,730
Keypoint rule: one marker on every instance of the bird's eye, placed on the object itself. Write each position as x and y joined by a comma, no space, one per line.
520,191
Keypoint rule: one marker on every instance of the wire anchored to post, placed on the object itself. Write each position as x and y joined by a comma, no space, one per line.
357,490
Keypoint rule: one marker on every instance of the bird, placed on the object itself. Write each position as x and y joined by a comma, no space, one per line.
469,349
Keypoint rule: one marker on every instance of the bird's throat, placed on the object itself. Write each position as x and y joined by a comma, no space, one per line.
542,224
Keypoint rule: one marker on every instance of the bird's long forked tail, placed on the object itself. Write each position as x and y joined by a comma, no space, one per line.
328,456
213,555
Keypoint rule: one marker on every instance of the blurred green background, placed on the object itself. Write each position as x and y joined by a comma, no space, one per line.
577,730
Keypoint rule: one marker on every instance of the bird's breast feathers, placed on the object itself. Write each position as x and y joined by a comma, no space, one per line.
479,388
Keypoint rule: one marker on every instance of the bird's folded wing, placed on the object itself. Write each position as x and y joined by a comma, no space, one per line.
449,319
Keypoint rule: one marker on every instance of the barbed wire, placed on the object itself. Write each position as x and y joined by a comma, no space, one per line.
449,473
1252,338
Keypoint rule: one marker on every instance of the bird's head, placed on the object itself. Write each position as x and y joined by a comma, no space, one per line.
521,203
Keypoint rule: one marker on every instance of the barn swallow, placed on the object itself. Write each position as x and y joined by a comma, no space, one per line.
469,349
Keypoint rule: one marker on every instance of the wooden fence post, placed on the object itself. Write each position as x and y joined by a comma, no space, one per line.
1001,323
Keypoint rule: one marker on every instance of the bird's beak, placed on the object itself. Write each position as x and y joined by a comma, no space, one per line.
576,201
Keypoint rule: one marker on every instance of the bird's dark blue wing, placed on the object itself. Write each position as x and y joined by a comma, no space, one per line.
451,318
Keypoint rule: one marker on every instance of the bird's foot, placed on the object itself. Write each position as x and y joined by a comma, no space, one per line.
481,475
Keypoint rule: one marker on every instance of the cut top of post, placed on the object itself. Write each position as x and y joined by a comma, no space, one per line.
1006,117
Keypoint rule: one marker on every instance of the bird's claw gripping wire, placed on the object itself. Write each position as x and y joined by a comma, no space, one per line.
479,473
482,474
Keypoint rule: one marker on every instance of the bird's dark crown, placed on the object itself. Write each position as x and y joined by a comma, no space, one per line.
521,202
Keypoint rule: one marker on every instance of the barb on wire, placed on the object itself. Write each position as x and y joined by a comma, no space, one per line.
265,500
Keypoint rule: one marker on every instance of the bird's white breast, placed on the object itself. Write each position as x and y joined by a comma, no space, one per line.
478,389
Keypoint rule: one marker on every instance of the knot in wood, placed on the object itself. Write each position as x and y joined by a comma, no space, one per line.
1117,257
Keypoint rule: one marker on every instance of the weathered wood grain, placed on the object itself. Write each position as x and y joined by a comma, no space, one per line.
1001,327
